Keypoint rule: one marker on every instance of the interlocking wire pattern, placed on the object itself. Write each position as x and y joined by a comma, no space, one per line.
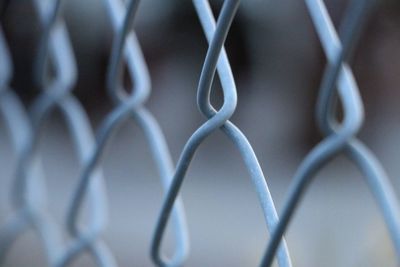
87,215
339,137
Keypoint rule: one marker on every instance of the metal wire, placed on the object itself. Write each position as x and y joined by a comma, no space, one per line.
19,129
339,137
31,210
127,106
89,198
216,58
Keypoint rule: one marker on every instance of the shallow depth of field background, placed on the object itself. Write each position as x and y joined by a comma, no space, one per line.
277,62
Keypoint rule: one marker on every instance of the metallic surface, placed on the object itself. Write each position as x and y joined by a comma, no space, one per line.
339,137
87,214
217,59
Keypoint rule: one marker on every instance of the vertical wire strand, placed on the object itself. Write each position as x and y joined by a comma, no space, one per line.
216,58
55,93
377,180
126,49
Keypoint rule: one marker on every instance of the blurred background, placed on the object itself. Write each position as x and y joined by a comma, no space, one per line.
278,62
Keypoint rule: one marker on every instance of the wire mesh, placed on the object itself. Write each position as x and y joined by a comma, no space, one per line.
84,236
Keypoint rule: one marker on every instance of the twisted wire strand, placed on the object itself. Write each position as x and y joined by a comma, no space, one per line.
376,177
20,131
33,216
29,188
15,120
349,32
335,72
237,137
56,92
226,16
85,144
127,106
221,63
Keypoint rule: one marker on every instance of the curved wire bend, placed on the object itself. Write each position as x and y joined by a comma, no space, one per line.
29,189
127,106
57,93
217,59
355,150
19,127
338,72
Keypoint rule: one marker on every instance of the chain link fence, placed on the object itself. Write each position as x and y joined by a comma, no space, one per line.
339,117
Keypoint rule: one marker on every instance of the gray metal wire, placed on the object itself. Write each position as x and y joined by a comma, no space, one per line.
28,192
127,106
216,58
31,210
339,137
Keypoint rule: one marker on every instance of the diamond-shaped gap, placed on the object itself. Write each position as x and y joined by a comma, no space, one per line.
135,195
61,170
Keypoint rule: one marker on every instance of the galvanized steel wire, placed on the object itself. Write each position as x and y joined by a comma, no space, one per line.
128,106
30,206
340,137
